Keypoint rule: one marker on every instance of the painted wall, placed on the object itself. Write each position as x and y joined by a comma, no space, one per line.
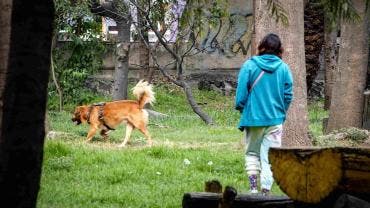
226,51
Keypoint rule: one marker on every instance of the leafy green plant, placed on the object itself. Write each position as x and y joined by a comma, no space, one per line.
316,114
340,10
75,61
78,54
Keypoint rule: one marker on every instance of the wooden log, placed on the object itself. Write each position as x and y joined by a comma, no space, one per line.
211,200
348,201
311,175
201,200
228,197
213,186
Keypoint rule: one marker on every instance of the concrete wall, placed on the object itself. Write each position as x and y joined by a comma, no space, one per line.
225,52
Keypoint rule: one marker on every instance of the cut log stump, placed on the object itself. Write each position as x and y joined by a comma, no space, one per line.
311,175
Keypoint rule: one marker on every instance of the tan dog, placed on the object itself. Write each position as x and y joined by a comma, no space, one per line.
106,116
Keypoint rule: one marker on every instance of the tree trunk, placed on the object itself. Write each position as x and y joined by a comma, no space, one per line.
120,86
292,37
52,69
24,76
5,25
146,70
189,96
312,175
314,40
330,54
108,9
350,80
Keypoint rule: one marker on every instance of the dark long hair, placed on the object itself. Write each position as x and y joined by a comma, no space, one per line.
270,44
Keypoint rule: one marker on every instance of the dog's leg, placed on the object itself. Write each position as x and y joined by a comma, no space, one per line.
129,129
144,130
91,133
104,134
142,126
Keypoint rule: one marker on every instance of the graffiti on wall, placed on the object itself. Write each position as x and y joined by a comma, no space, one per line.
229,37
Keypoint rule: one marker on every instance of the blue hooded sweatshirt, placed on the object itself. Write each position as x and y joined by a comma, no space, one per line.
267,103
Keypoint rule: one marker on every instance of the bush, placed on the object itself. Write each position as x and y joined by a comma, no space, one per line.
78,57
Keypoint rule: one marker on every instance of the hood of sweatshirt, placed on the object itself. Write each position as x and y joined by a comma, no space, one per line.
267,62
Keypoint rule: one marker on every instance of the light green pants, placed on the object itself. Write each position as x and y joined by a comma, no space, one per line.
259,140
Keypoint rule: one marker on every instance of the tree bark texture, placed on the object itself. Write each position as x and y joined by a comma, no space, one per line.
24,100
120,86
350,80
330,54
196,108
145,70
292,37
313,175
5,21
314,40
107,9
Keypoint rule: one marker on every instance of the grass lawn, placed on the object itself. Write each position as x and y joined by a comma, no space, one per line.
98,174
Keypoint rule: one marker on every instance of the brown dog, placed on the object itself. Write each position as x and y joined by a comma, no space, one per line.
106,116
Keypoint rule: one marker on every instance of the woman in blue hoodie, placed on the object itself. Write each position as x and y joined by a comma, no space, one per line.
263,96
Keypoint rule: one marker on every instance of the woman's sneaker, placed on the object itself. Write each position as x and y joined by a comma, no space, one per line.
265,192
253,184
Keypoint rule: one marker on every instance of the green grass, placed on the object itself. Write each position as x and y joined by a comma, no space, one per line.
79,176
316,114
99,174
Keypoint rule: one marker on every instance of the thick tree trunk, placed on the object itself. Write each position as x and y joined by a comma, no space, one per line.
24,100
5,25
330,54
312,175
108,9
120,86
314,40
350,80
292,37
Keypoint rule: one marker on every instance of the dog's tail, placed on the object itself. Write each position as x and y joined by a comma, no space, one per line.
144,93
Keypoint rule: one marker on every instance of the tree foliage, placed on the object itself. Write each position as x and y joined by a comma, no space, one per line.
191,18
74,19
339,10
79,52
74,62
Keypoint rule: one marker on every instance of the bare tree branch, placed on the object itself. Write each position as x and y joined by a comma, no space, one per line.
159,36
107,9
178,58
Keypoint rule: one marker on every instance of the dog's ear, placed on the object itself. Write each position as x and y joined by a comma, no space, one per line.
82,110
78,115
